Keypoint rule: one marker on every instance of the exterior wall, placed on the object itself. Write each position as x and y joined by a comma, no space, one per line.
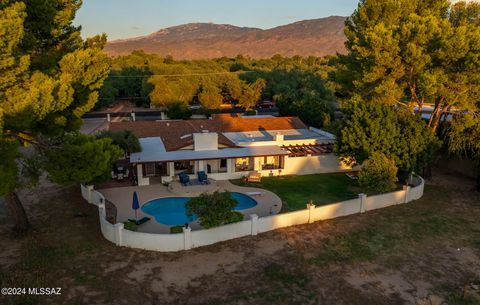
188,239
223,233
335,210
384,200
328,163
274,222
154,242
142,180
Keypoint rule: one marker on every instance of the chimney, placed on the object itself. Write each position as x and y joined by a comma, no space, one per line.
279,137
205,141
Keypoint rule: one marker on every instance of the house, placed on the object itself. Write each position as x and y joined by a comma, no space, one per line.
229,146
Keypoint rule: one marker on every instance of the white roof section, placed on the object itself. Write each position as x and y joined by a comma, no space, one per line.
269,135
153,150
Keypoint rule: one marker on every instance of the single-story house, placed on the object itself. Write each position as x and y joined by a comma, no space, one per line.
229,146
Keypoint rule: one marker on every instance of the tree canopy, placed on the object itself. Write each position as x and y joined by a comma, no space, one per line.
376,128
81,158
49,77
463,137
124,139
297,85
214,209
413,52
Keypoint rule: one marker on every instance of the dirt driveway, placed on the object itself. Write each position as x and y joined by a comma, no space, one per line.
425,252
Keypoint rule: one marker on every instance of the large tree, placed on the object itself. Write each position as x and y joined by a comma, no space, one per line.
371,127
463,136
413,52
49,77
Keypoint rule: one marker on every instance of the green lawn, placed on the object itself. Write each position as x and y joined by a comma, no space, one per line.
297,191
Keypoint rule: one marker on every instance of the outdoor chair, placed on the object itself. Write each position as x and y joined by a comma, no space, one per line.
184,179
254,177
140,221
202,177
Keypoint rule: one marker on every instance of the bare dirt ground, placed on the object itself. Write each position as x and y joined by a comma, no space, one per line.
426,252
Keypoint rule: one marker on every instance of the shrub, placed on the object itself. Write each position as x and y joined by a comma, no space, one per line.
250,113
379,173
234,217
176,229
178,111
213,209
128,225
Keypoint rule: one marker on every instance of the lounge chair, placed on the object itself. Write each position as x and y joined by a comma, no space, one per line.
202,177
184,179
140,221
254,177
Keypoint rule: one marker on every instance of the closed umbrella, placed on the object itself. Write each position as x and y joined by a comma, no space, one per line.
135,204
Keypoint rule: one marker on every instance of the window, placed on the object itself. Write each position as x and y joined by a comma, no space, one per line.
149,169
223,166
243,164
184,166
272,162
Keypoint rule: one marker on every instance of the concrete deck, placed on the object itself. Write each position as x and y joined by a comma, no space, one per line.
268,202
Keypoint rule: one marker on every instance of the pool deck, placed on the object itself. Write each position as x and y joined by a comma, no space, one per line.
268,203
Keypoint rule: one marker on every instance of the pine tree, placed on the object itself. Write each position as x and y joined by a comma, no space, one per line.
49,77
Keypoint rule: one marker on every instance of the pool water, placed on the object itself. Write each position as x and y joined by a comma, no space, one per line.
171,211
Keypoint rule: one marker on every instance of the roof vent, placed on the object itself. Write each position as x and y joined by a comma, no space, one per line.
168,124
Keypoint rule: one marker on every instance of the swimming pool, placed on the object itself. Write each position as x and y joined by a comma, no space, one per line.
171,211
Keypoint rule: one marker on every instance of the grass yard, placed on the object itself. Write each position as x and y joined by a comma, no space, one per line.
297,191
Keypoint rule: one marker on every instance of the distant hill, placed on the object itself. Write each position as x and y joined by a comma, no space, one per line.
317,37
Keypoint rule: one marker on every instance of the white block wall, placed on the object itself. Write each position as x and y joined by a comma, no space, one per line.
192,239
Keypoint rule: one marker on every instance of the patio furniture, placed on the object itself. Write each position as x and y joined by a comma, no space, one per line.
202,177
254,177
184,178
140,221
254,193
352,176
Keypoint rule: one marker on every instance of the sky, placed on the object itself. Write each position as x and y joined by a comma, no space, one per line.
131,18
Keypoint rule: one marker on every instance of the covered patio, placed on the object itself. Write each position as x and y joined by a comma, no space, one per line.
219,164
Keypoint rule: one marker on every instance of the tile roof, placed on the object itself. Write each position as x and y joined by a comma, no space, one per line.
175,134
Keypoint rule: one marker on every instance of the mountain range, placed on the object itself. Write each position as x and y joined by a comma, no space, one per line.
316,37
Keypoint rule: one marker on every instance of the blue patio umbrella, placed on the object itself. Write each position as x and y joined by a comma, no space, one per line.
135,204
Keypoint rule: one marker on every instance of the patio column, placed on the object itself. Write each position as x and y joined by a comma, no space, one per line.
230,166
141,179
171,169
201,165
257,163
